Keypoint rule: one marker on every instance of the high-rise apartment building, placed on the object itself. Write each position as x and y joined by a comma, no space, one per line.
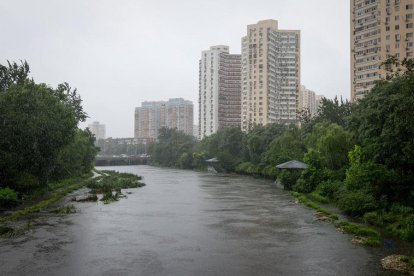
379,29
270,75
98,130
307,100
219,90
151,116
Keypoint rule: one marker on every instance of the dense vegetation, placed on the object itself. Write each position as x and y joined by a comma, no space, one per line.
360,156
40,140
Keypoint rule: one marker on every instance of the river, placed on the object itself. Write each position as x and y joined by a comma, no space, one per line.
188,223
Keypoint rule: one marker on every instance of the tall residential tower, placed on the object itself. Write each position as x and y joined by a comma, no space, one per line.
379,29
151,116
270,75
98,130
219,90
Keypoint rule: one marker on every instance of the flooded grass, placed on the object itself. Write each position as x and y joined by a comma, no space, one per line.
362,235
44,203
309,203
70,209
13,232
110,184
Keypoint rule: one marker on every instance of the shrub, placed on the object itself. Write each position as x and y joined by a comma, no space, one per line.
8,197
404,228
26,183
288,178
329,189
356,203
374,218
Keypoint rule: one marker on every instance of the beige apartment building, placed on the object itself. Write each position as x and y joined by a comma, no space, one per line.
174,113
309,101
379,29
270,75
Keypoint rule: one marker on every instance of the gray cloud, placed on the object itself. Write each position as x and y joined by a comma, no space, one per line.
120,53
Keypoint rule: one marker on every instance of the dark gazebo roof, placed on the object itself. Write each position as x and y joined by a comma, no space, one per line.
294,164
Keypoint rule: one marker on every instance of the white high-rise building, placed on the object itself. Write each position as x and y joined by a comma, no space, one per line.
98,130
270,75
219,90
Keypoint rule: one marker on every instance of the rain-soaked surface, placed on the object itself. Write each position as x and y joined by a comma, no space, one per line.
188,223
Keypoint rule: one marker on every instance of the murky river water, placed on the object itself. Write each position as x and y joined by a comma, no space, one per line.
188,223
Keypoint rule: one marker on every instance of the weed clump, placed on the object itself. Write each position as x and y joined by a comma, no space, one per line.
70,209
363,235
111,183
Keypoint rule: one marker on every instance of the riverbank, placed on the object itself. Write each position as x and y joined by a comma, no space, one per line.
101,185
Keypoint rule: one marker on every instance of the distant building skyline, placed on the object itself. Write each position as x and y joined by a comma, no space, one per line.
270,74
153,115
219,90
97,129
309,100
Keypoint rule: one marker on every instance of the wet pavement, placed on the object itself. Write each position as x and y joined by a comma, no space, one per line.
188,223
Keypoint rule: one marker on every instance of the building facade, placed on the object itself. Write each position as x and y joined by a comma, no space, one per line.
379,29
219,90
307,100
174,113
98,130
270,75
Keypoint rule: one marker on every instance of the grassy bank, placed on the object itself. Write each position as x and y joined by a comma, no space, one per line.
57,191
108,184
361,234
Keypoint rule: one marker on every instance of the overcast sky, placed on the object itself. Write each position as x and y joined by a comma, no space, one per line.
119,53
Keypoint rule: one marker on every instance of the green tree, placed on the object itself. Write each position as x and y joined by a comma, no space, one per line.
171,145
13,74
35,127
289,145
77,157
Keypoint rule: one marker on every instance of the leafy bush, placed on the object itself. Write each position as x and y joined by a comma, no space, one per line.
269,172
8,197
356,203
288,178
404,228
329,189
374,218
26,183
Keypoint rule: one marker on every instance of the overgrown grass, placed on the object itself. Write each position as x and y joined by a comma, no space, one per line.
363,235
318,197
309,203
110,184
409,261
366,236
78,183
9,232
70,209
